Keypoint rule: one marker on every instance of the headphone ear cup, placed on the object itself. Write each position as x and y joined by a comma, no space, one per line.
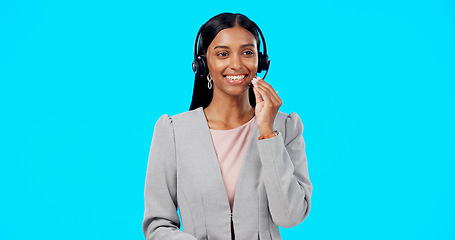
200,66
264,63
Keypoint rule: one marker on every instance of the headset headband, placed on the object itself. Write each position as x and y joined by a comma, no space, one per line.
195,50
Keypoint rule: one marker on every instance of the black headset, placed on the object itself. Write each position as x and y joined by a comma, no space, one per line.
201,69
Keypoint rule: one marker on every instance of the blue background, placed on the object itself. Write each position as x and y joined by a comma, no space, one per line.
82,84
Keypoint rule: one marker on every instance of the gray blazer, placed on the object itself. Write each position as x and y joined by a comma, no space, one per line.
273,188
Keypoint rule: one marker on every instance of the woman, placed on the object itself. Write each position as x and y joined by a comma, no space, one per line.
233,165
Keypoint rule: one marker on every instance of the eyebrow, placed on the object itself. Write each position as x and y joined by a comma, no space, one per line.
244,45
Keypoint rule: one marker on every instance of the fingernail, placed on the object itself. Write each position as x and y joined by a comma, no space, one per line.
254,80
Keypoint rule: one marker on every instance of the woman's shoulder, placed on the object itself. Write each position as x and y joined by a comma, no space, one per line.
184,117
189,115
288,118
290,125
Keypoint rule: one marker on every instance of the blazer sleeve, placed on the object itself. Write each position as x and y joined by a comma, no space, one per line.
285,174
161,220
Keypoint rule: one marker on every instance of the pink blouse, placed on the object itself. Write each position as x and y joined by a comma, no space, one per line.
230,147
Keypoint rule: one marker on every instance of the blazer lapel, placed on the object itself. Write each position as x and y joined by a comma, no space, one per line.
246,198
211,164
215,200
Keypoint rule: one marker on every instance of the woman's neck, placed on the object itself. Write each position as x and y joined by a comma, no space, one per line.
228,112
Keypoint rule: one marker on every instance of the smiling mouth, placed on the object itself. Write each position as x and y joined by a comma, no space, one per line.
235,77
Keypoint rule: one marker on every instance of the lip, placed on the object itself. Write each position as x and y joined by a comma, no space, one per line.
235,82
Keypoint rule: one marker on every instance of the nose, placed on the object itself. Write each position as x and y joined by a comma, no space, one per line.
235,62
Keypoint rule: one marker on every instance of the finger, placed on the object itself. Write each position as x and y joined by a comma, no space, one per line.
263,83
257,95
265,93
275,100
273,94
272,97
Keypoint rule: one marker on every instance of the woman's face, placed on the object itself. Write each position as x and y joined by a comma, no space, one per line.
232,60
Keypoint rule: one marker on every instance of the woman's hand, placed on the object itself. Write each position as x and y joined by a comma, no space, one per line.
267,104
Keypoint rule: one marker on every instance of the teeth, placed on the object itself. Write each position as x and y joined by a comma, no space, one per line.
235,78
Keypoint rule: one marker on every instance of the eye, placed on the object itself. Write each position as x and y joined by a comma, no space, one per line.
222,54
248,52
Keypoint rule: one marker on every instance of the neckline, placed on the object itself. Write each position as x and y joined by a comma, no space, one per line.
234,129
207,122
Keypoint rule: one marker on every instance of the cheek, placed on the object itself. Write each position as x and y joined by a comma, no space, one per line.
216,66
252,64
221,65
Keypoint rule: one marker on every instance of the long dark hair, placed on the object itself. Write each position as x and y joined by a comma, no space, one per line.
202,96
